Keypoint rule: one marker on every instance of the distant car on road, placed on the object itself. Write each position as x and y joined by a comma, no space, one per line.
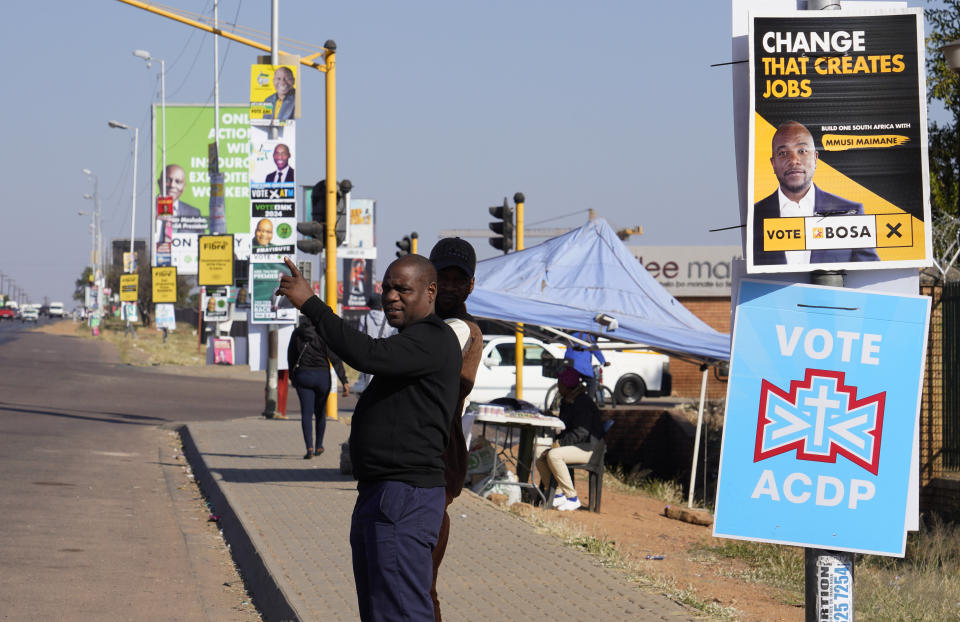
55,309
29,314
6,313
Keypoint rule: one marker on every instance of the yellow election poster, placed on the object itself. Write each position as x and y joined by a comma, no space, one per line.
164,284
839,173
128,287
273,92
216,260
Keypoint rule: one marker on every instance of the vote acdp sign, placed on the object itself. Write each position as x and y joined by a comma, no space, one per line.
822,410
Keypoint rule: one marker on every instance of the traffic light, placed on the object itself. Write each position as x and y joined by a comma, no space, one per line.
343,189
408,245
405,245
504,241
318,215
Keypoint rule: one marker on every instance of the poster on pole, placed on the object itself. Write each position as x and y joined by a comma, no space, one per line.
838,172
216,303
183,253
164,284
273,213
266,306
359,240
128,287
216,260
165,316
823,407
273,92
185,211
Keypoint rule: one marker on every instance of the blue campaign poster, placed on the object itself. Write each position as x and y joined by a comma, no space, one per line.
822,403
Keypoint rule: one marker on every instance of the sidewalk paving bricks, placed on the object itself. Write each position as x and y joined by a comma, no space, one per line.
287,521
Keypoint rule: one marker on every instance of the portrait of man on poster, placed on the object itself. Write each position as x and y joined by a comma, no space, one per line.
281,158
283,100
794,160
185,218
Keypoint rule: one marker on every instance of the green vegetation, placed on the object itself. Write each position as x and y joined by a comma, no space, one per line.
924,586
669,492
607,555
768,564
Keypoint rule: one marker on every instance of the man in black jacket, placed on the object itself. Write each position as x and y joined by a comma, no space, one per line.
398,433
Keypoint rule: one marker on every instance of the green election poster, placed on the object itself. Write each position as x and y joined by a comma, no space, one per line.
190,130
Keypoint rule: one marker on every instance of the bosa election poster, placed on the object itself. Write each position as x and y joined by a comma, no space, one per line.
853,85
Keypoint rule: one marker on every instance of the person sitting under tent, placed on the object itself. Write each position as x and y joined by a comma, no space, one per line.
575,445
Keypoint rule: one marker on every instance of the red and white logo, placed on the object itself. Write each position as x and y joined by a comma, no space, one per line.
820,418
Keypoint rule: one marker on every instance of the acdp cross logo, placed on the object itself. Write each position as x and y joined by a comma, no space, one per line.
820,418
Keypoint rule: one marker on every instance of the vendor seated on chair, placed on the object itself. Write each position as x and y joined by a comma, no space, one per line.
575,445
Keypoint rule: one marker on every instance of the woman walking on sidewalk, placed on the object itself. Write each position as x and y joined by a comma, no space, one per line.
309,363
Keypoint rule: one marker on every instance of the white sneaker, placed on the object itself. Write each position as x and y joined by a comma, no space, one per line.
569,505
558,499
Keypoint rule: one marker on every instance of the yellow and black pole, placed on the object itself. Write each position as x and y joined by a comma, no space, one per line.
330,272
525,452
413,242
518,198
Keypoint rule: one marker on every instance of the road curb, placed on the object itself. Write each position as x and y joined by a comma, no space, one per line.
263,587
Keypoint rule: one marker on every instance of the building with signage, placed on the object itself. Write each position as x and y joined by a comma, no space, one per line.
700,278
121,246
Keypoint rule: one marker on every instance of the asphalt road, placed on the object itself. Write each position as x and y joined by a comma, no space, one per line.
98,517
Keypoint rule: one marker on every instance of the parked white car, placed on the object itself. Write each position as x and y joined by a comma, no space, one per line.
632,373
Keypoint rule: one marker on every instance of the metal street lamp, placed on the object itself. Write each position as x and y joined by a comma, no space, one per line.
93,237
133,205
145,55
951,54
98,227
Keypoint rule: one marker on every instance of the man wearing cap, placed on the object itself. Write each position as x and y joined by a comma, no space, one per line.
455,262
576,444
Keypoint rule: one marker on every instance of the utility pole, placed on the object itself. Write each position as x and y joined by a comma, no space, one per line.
519,199
270,407
822,564
525,452
327,66
330,271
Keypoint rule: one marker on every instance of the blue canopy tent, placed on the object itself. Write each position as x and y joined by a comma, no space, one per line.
587,280
582,280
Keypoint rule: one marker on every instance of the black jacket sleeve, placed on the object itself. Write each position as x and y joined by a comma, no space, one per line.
403,354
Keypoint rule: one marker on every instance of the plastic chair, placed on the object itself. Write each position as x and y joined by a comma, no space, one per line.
595,470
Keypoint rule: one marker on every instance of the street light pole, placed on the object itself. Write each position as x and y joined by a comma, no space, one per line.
273,337
133,204
98,242
145,55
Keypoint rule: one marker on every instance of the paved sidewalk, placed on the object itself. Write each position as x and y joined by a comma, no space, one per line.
287,520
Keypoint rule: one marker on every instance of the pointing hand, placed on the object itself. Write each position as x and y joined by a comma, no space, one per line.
294,287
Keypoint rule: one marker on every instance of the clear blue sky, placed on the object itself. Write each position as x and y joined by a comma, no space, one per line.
444,108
